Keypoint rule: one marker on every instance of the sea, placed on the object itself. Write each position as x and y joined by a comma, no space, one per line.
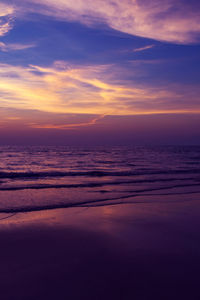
44,178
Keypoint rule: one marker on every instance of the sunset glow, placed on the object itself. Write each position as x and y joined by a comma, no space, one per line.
84,58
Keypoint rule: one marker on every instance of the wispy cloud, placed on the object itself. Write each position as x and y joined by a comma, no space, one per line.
15,47
6,15
143,48
163,20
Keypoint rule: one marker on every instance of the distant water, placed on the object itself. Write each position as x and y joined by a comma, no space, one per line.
38,178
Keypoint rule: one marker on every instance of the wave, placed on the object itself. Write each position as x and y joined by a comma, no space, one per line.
96,173
94,184
92,203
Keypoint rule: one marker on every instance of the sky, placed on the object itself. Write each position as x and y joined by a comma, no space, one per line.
99,72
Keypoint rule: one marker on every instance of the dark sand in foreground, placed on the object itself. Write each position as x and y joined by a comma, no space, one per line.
141,251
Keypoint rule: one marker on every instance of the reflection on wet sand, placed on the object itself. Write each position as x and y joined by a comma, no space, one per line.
145,251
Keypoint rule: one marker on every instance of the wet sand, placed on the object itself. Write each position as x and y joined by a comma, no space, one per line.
141,251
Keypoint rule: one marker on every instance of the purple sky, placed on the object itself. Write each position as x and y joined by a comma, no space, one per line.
99,72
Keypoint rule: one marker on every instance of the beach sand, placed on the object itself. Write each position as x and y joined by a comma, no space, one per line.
140,251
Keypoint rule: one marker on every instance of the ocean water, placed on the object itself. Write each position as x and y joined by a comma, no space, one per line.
40,178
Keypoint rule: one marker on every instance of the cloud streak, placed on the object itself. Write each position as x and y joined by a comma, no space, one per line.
143,48
92,121
15,46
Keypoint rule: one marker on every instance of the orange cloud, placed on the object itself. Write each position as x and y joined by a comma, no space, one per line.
92,90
